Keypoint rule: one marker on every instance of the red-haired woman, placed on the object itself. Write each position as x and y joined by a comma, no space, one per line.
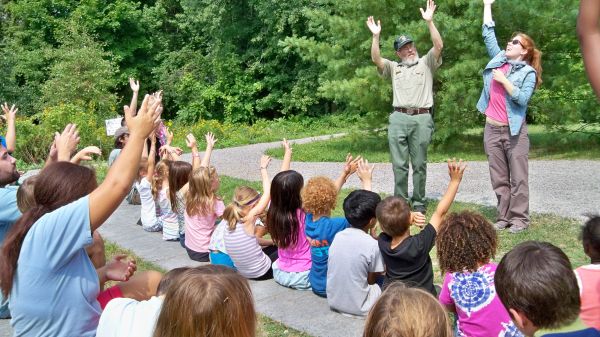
509,79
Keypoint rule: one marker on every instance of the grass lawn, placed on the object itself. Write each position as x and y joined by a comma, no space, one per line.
545,144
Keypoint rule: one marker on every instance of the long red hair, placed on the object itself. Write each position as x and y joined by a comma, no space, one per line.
533,56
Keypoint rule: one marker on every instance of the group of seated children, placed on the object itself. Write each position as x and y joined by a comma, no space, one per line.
387,276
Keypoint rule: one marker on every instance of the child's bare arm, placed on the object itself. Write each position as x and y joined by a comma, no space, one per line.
191,143
151,158
455,170
266,185
210,144
287,156
135,87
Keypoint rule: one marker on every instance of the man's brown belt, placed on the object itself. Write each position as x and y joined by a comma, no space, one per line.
412,111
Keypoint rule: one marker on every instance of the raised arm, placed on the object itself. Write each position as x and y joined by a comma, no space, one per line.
455,170
436,38
135,87
10,116
349,168
192,144
489,33
365,173
375,29
210,144
107,197
588,31
151,158
287,156
66,142
265,198
85,154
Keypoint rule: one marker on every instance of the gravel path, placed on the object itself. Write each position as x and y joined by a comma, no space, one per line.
567,188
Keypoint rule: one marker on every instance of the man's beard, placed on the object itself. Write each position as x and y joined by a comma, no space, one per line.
412,61
9,178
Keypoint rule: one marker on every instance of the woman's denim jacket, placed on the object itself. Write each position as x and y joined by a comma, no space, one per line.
521,75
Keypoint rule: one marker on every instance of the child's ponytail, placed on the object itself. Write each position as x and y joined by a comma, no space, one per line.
242,196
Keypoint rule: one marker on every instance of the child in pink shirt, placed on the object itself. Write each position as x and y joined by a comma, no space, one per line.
466,243
588,277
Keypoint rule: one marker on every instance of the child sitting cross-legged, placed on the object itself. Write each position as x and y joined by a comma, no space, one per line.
251,254
406,256
466,242
319,197
354,258
588,276
202,205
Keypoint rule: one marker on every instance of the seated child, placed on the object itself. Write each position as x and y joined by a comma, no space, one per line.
149,220
243,246
402,311
407,257
216,246
285,223
536,283
588,276
466,242
354,258
319,197
208,301
203,206
128,317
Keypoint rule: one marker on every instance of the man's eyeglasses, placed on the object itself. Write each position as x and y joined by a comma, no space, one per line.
516,42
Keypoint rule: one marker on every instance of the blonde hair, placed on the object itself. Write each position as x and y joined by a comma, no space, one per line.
242,196
407,312
533,56
319,196
160,173
200,197
25,196
210,300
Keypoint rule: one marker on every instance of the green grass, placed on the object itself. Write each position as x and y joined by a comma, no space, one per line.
545,144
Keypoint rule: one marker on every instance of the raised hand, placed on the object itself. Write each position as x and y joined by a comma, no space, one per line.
190,141
169,136
365,173
428,13
9,113
86,154
375,28
147,118
119,270
210,140
287,147
135,85
66,142
265,161
351,164
456,169
418,219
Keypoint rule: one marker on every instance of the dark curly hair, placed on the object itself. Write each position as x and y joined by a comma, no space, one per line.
590,235
465,240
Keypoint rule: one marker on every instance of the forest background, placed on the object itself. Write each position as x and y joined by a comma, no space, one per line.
244,62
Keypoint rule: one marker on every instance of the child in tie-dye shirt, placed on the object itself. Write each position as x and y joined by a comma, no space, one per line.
465,244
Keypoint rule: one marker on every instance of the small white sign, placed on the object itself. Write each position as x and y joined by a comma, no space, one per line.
112,125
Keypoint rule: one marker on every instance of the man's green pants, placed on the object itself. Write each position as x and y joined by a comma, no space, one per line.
408,137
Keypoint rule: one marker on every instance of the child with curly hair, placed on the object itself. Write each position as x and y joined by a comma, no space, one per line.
588,276
319,197
466,243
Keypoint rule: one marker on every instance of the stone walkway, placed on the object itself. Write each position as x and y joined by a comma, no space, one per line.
563,187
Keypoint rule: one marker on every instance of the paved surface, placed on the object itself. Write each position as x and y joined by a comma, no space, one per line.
566,188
